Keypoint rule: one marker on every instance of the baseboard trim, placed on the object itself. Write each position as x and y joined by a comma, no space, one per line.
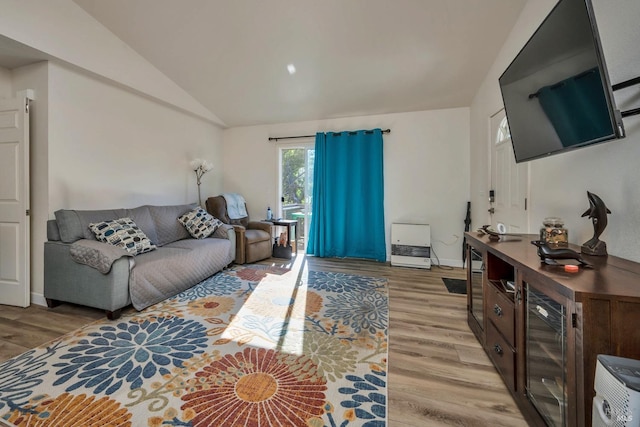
447,262
38,299
434,262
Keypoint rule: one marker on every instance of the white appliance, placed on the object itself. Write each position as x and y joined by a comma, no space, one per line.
411,245
617,387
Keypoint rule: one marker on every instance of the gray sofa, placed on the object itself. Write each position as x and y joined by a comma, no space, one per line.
81,270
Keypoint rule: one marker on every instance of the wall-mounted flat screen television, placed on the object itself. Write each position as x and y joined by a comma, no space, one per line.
556,92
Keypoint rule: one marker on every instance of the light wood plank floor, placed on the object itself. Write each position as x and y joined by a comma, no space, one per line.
438,373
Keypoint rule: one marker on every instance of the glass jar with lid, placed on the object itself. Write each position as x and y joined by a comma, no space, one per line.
554,233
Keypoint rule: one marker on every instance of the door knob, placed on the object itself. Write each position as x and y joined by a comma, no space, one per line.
491,211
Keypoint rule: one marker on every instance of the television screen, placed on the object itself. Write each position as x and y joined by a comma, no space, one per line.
556,92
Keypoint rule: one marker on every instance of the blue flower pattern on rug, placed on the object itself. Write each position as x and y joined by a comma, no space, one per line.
129,352
20,375
361,310
368,398
342,282
148,363
215,285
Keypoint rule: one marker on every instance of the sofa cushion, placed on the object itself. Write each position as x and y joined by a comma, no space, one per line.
74,225
143,219
168,228
53,232
124,233
199,223
176,267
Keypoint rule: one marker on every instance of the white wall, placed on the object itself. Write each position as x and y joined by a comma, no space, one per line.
96,145
559,183
108,129
111,148
426,168
5,83
63,30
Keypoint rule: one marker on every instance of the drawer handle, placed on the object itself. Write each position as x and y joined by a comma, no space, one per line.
497,310
498,349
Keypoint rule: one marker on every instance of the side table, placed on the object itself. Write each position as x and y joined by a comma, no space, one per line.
289,223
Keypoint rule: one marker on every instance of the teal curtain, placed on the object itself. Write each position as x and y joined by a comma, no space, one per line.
347,219
577,108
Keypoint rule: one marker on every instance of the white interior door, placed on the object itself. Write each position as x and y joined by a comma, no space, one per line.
14,202
509,181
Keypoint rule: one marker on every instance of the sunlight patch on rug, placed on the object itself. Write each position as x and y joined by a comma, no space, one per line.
251,346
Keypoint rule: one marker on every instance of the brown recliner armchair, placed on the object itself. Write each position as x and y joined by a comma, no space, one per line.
253,238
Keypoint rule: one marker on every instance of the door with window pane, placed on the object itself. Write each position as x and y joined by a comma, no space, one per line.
296,187
509,180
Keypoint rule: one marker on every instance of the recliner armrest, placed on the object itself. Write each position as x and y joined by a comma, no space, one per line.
260,225
240,244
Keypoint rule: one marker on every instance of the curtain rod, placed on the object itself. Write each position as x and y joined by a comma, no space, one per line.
275,138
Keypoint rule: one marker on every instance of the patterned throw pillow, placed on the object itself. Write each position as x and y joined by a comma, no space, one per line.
199,223
122,232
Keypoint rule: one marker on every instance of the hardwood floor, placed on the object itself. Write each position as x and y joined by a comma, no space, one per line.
24,328
438,373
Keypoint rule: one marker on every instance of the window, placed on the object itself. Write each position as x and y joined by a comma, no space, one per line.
503,133
296,187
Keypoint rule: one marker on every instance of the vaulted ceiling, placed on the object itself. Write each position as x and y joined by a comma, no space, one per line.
352,57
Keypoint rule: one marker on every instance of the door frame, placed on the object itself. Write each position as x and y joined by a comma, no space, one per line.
20,294
310,144
515,167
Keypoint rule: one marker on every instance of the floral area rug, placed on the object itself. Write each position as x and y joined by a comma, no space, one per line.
251,346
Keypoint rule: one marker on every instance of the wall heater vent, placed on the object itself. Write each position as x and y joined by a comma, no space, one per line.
411,245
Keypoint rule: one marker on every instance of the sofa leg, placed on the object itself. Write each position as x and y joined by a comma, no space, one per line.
113,315
51,303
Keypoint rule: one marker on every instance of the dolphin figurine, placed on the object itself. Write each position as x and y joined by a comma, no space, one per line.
598,213
549,256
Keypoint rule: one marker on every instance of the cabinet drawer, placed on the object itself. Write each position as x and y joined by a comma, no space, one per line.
502,355
500,310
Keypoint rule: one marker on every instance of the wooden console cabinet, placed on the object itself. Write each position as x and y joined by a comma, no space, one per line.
543,327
